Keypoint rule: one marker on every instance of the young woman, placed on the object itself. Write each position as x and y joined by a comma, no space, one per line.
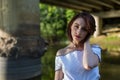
79,60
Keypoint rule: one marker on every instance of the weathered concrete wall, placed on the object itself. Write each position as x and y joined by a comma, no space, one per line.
8,15
20,23
20,43
28,11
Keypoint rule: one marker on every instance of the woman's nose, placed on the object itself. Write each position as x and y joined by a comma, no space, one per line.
78,31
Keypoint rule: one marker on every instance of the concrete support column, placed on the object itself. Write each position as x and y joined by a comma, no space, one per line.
19,22
21,46
8,13
1,15
98,21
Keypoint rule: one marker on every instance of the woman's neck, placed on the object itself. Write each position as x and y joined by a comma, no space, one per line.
78,46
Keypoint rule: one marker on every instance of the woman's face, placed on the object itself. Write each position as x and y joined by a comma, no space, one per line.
78,30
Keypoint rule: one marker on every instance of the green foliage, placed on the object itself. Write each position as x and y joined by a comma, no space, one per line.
53,22
69,14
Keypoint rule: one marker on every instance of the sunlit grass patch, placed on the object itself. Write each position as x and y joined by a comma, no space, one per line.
111,43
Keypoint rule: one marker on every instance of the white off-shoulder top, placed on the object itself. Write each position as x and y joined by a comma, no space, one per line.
72,67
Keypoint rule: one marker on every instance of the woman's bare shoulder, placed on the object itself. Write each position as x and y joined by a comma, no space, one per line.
63,51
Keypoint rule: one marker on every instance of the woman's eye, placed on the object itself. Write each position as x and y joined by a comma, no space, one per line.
84,29
76,26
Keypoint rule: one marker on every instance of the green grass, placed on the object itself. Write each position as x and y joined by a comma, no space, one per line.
111,43
109,67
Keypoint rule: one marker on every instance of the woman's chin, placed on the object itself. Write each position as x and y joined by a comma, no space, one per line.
77,41
80,41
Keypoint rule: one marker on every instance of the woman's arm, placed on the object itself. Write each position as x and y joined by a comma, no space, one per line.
90,60
58,75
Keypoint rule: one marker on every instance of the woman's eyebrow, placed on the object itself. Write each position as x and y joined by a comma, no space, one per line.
76,24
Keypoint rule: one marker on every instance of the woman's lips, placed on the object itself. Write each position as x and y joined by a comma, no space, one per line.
77,36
